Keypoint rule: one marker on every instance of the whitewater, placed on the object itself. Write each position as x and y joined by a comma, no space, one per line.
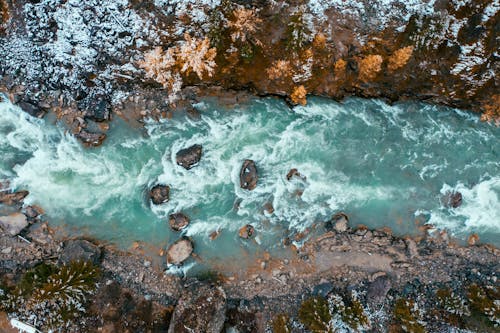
383,165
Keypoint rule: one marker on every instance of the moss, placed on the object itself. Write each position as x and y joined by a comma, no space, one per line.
351,311
407,316
36,278
281,324
210,276
315,315
485,302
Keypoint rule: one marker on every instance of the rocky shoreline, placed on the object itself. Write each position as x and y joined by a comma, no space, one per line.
134,294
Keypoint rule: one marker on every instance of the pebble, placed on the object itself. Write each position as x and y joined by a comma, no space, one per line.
7,250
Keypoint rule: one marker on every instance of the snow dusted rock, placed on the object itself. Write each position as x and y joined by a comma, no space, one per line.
200,310
14,223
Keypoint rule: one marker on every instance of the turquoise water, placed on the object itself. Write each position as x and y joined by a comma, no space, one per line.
383,165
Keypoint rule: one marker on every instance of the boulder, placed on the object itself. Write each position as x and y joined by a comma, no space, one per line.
80,249
189,157
200,310
31,109
294,173
97,107
12,198
32,212
246,231
159,194
248,175
178,221
91,138
452,199
13,224
180,251
378,289
339,222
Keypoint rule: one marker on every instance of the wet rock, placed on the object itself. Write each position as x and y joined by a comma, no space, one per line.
189,157
97,107
31,109
246,231
339,222
13,224
14,198
80,249
248,175
473,239
178,221
214,234
268,207
160,194
32,212
294,173
201,310
91,138
180,251
452,199
378,289
40,233
411,248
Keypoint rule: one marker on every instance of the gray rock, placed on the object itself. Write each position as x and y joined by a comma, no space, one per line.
14,223
31,109
180,251
91,138
452,199
339,222
178,221
378,289
323,289
189,157
80,249
200,310
159,194
246,231
248,175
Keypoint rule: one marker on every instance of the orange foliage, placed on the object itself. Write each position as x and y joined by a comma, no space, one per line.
298,95
279,69
244,24
339,67
196,55
319,41
399,58
491,110
369,67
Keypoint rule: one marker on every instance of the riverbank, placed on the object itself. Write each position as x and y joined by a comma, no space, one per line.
438,278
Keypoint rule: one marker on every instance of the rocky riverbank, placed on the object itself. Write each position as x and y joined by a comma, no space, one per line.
346,279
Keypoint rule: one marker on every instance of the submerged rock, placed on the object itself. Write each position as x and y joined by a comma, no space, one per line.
12,198
200,310
91,138
246,231
80,249
13,224
339,222
248,175
160,194
180,251
178,221
452,199
189,157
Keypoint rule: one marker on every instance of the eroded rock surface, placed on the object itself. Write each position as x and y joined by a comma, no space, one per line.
179,251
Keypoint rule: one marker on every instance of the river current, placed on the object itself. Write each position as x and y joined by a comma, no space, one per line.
382,165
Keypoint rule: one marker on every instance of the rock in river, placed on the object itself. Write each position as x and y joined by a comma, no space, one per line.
452,199
178,221
246,231
180,251
91,138
339,222
248,175
159,194
189,157
14,223
13,198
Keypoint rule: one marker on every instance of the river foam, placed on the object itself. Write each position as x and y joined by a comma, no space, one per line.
383,165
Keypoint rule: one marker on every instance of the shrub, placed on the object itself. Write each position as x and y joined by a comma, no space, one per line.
315,315
409,316
486,302
281,324
243,24
369,67
298,95
399,58
351,311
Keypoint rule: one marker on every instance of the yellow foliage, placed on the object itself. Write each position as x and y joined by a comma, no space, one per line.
339,67
298,95
319,41
195,55
244,24
399,58
491,110
369,67
158,64
279,69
